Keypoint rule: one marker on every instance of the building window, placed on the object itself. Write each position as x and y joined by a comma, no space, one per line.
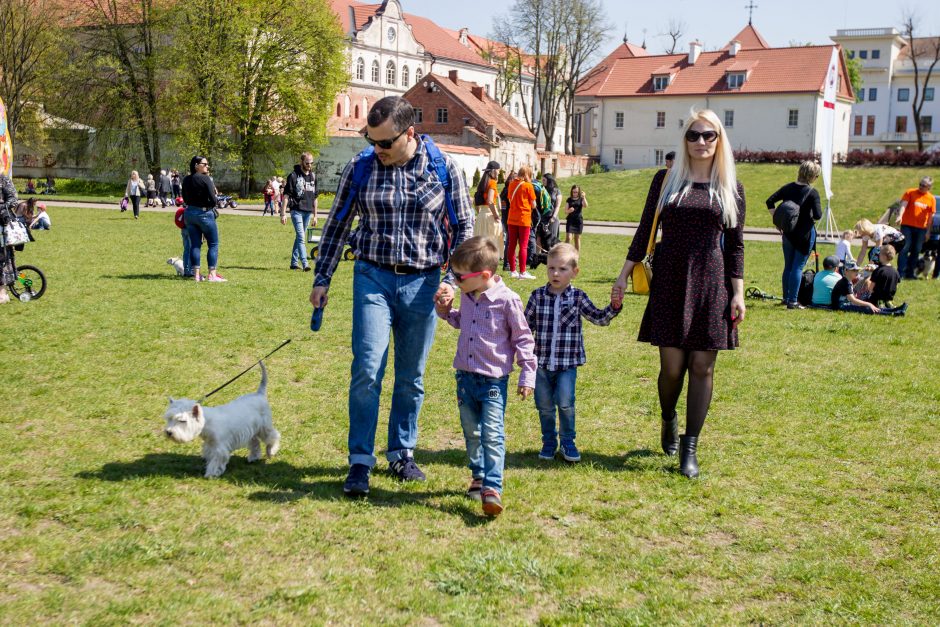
900,124
660,119
390,73
618,119
872,94
926,124
339,110
375,71
793,118
729,119
858,125
576,122
357,112
419,116
861,95
659,156
515,107
360,69
404,75
442,116
660,83
618,156
418,75
876,54
870,125
851,54
904,94
735,80
487,88
928,94
862,54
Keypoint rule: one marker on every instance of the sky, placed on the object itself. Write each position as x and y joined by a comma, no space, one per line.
713,22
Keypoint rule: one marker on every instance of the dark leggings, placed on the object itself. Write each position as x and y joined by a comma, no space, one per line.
674,363
135,200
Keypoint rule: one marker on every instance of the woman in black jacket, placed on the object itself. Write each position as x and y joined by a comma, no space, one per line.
798,243
199,198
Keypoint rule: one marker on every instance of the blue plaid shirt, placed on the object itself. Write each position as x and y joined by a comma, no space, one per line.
401,213
555,321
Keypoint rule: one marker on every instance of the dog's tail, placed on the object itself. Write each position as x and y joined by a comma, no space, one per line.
263,388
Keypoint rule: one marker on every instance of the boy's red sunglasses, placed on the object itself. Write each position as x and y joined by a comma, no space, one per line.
467,275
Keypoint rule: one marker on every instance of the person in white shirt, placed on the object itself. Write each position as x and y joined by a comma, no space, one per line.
42,221
844,247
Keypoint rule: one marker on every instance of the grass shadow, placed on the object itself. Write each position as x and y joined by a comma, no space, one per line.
142,277
256,268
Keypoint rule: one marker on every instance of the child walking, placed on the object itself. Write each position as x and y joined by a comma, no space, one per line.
554,314
492,331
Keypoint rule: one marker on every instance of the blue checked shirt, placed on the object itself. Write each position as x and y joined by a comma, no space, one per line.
556,324
401,213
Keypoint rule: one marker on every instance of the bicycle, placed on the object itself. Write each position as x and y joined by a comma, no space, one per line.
30,283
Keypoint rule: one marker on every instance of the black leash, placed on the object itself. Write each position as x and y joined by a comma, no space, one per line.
285,343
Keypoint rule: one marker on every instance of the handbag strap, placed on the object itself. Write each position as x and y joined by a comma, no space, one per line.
652,242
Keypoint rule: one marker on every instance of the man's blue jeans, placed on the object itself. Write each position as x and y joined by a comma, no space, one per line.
202,223
482,403
793,262
187,264
384,304
555,388
913,242
300,220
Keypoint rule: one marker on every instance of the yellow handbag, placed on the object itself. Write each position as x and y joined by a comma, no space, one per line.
642,276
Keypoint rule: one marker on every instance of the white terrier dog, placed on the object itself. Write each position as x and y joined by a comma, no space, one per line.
246,421
177,264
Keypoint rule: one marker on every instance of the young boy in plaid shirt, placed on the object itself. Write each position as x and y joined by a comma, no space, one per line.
554,314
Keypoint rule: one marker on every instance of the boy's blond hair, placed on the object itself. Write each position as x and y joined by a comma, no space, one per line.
888,251
566,253
848,234
476,254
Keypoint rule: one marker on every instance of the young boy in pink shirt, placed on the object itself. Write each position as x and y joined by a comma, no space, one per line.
493,331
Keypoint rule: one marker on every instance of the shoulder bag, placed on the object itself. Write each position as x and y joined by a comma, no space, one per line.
642,276
15,234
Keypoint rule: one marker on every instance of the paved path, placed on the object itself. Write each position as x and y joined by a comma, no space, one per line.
590,226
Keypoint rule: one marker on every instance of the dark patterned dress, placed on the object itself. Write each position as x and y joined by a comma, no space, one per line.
8,202
690,296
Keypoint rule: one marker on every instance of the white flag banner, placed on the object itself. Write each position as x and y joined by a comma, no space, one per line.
827,122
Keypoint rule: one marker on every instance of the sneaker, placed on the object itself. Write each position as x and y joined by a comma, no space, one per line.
548,450
4,297
570,452
475,490
197,277
307,268
514,274
526,275
492,502
795,306
295,267
900,311
216,279
357,481
406,469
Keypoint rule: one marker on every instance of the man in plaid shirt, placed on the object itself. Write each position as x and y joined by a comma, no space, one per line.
400,245
554,314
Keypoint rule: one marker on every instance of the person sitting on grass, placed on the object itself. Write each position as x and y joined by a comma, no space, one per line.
883,282
554,314
42,221
493,330
834,291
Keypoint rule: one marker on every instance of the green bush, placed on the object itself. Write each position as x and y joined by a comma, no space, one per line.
476,178
596,168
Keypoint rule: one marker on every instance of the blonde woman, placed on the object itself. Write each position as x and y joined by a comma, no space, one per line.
696,298
134,190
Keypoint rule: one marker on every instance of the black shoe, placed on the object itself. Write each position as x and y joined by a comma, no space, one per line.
899,311
669,435
307,268
795,306
406,469
295,267
357,481
688,462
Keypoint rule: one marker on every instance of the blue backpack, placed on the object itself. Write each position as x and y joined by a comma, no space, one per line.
363,169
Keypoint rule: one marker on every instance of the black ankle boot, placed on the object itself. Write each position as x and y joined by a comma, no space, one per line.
688,463
669,435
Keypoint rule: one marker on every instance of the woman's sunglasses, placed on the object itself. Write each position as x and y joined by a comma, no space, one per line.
708,136
467,275
384,144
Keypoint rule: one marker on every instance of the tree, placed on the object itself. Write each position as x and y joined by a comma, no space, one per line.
854,68
674,32
923,51
30,33
585,33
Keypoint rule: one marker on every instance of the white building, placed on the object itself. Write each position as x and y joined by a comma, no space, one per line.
632,104
883,117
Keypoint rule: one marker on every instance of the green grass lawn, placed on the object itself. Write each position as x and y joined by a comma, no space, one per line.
857,192
818,501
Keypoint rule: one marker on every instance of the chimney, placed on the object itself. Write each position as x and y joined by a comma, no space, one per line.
462,37
735,47
695,49
477,91
452,75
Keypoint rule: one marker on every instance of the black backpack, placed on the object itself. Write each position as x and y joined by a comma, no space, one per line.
479,197
787,213
805,295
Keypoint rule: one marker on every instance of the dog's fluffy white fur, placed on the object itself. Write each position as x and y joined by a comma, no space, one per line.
246,421
177,264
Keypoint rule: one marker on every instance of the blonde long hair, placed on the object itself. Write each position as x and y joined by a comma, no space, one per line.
723,183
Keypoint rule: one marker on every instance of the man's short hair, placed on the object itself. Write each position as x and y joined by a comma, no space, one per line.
926,181
831,262
394,107
671,155
565,253
476,254
306,155
888,251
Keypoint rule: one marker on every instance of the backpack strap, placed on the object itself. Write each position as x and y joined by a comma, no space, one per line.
439,165
361,172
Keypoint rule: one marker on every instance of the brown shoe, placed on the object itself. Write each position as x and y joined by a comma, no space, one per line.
476,487
492,502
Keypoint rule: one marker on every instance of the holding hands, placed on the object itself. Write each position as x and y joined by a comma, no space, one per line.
525,392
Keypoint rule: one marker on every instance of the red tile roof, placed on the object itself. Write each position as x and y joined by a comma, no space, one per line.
749,39
772,70
626,50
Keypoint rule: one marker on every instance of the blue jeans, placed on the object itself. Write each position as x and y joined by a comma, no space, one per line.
201,223
793,262
913,242
187,265
300,220
555,388
884,311
402,305
482,403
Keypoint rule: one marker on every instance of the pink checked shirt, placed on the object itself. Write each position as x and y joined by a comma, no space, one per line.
492,330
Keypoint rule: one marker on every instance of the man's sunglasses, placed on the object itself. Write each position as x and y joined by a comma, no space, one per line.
692,136
467,275
384,144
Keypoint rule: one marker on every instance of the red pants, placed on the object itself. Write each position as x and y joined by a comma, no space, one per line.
520,235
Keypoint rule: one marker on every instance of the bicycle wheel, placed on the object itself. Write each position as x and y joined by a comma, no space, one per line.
30,281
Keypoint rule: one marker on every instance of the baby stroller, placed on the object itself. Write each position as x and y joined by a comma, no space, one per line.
541,240
224,202
313,237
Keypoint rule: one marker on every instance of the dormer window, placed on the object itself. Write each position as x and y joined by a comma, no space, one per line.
735,80
660,83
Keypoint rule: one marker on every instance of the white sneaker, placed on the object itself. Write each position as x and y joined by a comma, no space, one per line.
4,297
526,275
514,274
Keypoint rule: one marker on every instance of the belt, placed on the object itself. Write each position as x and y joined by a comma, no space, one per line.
399,268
